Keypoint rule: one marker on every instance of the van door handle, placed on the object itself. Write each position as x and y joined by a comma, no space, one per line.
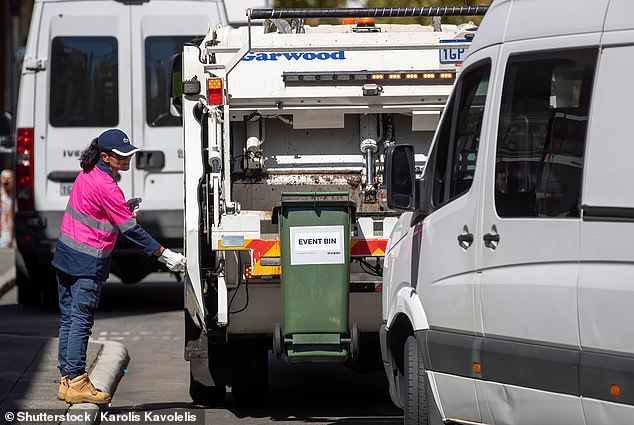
492,239
465,239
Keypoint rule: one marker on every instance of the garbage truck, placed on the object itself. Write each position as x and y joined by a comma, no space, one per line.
285,126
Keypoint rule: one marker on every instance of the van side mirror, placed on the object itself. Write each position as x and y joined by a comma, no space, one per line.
176,85
400,178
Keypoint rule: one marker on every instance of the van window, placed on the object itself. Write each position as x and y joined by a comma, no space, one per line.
158,51
84,82
456,149
541,134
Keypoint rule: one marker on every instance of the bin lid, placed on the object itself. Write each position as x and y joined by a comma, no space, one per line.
311,200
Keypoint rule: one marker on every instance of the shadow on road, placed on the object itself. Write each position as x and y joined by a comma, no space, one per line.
145,297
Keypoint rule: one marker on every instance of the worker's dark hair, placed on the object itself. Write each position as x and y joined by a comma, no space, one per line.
90,156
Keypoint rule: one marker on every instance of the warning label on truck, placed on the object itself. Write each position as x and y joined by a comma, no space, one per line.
317,245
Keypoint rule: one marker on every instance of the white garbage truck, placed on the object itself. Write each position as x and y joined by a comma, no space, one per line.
285,129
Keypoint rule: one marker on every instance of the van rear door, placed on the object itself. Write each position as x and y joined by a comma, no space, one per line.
164,28
80,92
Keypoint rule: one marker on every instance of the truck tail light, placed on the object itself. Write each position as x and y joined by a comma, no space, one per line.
214,91
24,169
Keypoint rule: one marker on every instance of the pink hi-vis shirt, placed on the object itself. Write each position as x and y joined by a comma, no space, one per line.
96,212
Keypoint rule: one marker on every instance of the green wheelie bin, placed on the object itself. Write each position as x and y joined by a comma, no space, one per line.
314,229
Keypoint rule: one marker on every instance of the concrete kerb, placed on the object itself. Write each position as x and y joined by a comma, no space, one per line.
7,280
105,375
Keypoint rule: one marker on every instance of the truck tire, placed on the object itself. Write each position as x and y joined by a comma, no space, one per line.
206,395
415,397
251,382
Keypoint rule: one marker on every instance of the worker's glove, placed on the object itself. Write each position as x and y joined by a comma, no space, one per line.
133,205
175,261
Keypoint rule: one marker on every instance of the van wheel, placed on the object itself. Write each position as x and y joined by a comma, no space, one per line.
415,397
37,284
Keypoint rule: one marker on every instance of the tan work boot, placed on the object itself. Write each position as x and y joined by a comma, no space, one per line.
63,387
81,390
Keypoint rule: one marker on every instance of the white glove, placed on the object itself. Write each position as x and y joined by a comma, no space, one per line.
175,261
133,205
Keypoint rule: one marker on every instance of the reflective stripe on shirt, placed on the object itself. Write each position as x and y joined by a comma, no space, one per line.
78,246
127,225
104,226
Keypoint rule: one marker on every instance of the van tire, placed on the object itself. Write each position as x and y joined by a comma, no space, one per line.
415,396
37,284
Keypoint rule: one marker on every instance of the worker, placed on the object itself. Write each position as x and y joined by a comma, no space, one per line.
97,210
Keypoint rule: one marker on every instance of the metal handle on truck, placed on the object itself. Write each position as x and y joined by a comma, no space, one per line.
363,12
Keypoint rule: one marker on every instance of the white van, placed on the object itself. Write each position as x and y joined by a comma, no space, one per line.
508,287
89,66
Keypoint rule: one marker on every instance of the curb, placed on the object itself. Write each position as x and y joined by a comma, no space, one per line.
105,375
7,280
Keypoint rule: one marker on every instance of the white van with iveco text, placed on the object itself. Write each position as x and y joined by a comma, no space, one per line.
508,286
89,66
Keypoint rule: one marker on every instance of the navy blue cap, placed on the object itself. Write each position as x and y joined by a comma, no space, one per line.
115,140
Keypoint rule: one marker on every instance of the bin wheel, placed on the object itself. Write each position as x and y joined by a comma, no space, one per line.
354,341
278,345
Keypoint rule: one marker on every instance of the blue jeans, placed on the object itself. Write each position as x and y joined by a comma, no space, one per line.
78,300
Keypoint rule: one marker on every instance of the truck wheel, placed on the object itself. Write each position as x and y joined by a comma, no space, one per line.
252,380
206,395
415,397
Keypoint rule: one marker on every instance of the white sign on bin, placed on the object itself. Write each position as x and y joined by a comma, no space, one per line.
317,245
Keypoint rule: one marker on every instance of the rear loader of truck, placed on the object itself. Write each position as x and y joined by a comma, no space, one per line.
285,128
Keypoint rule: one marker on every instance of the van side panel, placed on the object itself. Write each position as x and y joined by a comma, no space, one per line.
512,405
609,172
619,16
534,19
606,289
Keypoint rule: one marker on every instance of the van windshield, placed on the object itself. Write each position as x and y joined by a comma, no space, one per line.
158,51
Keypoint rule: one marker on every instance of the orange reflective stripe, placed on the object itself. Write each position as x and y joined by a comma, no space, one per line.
368,247
270,248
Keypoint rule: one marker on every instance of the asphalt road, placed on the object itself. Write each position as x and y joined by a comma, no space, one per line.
148,319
